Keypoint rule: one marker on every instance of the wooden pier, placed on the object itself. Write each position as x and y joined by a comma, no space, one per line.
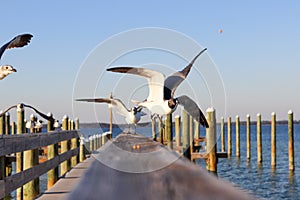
178,179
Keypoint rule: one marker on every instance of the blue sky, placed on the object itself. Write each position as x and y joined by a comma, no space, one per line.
257,55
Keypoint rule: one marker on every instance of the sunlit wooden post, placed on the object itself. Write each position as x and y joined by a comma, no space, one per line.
110,115
31,189
237,136
196,131
229,137
153,124
222,135
19,155
169,131
13,128
291,140
185,134
191,132
259,144
248,137
160,132
177,130
52,152
273,140
66,165
74,145
211,140
2,124
7,123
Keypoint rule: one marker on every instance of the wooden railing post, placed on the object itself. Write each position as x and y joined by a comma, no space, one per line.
52,152
211,140
19,155
74,145
191,132
7,123
2,158
30,189
65,146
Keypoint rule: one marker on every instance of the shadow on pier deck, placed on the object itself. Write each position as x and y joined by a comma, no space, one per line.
135,167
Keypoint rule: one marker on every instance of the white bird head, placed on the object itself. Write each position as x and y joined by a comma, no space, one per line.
6,70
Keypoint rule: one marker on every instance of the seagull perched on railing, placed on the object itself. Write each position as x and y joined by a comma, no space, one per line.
161,99
18,41
132,116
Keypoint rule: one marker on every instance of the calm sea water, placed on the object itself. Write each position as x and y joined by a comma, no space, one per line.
261,181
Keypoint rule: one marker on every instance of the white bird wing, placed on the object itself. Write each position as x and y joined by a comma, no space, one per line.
115,102
155,80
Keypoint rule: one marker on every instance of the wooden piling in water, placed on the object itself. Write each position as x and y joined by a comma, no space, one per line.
66,165
19,155
248,137
273,140
177,131
229,137
259,144
169,131
160,132
211,146
52,152
185,134
291,140
222,135
237,136
191,132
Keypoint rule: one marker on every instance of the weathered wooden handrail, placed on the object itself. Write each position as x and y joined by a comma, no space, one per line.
19,143
22,142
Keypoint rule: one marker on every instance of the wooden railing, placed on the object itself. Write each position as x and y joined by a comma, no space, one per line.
10,144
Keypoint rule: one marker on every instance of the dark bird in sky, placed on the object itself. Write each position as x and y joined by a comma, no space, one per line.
16,42
132,116
22,105
161,99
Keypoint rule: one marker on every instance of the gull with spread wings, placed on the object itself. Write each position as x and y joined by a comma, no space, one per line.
161,99
132,116
16,42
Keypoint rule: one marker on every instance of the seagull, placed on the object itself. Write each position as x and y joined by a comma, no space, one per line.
161,99
16,42
132,116
22,105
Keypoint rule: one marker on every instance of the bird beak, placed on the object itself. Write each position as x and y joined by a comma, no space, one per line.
14,70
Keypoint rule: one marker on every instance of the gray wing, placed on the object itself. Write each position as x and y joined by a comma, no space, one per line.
115,102
18,41
49,118
192,108
3,113
172,82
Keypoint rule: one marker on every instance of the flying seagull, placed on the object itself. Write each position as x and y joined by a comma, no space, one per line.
132,116
161,99
16,42
22,105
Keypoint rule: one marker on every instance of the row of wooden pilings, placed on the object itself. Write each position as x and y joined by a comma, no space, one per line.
187,137
30,158
190,136
259,139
